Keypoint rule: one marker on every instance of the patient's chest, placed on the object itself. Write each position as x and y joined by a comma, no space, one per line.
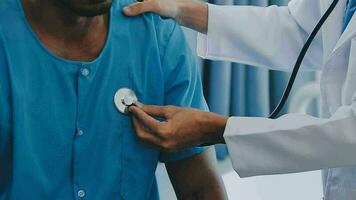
65,123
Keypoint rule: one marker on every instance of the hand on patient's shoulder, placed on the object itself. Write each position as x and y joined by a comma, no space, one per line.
190,13
165,8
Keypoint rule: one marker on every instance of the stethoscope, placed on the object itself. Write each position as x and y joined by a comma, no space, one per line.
124,97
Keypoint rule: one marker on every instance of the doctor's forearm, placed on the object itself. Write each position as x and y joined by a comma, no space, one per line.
193,14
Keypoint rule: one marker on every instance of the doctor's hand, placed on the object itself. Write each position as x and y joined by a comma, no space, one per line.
165,8
182,128
190,13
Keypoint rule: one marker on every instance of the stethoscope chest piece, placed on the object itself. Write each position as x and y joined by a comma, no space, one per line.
124,98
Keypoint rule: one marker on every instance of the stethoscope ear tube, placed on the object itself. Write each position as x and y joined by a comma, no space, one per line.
299,61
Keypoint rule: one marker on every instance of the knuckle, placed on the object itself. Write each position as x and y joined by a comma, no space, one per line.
157,128
141,135
140,7
156,5
136,8
165,131
170,109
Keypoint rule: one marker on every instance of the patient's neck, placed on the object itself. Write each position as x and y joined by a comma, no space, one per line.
63,32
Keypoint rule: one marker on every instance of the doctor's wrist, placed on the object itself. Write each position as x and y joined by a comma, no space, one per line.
193,14
214,128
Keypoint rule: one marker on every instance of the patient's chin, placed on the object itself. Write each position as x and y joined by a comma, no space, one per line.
85,9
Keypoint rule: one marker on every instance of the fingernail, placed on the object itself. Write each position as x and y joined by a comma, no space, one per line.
127,9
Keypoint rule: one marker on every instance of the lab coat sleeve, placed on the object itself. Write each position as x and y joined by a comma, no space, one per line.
263,36
292,143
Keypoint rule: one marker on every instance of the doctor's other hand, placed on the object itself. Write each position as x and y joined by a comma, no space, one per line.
182,127
190,13
165,8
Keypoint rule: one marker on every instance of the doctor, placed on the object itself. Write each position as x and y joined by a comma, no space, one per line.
269,37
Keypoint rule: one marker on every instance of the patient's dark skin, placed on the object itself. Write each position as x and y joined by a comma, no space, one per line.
77,30
72,29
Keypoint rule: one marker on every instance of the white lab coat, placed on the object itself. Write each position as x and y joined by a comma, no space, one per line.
272,37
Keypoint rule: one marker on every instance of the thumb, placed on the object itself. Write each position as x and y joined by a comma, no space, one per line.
145,119
139,8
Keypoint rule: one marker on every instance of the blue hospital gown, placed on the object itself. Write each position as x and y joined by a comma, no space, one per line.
61,136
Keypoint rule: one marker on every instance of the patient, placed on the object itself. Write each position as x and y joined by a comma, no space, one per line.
61,137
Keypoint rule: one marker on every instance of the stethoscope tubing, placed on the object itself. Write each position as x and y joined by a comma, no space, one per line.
299,61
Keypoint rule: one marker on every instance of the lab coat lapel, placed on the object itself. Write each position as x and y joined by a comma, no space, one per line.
349,33
332,28
331,31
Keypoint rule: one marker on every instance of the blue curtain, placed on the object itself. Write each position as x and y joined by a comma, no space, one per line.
239,90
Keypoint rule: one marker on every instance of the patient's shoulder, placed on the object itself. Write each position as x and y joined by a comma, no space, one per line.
10,15
163,26
8,5
8,9
145,28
